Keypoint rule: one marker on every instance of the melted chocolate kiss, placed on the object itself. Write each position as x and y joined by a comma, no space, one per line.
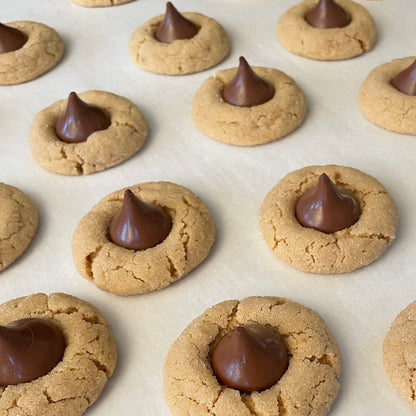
29,348
327,14
139,225
250,358
327,208
405,81
80,120
174,26
11,38
247,89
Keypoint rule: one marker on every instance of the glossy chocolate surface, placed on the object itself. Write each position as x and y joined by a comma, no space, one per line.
11,38
327,207
80,120
405,81
139,225
29,349
250,358
327,14
247,89
175,27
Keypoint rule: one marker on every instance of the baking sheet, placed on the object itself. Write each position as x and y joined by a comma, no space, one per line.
358,307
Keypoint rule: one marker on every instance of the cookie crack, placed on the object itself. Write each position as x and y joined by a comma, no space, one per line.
281,407
89,261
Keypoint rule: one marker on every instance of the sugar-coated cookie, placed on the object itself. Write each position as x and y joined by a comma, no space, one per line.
399,353
89,358
103,149
124,271
383,104
18,223
338,43
314,251
184,56
43,49
308,386
248,126
100,3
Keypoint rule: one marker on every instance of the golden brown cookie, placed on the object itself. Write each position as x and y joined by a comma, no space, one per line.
78,379
248,126
126,272
42,51
308,387
99,3
309,250
103,149
383,104
18,223
399,353
300,38
206,49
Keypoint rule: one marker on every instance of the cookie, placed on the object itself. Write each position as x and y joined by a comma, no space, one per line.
18,223
248,126
125,271
308,386
313,251
43,49
88,361
299,37
399,353
99,3
383,104
185,56
103,149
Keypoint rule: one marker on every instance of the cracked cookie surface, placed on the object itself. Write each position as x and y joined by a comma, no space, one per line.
248,126
312,251
206,49
122,271
308,387
42,51
383,104
297,36
399,353
100,3
77,380
103,149
18,223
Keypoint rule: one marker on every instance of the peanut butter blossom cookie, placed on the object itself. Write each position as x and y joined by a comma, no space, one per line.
258,356
18,223
327,29
27,50
179,43
247,106
328,219
56,355
142,238
87,133
399,353
388,96
99,3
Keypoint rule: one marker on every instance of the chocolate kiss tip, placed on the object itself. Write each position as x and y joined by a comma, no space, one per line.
175,26
247,89
405,81
11,38
327,208
327,14
139,225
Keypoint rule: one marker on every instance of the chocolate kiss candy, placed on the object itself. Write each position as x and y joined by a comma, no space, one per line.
139,225
405,81
250,358
247,89
29,348
327,14
11,38
80,120
327,208
174,26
